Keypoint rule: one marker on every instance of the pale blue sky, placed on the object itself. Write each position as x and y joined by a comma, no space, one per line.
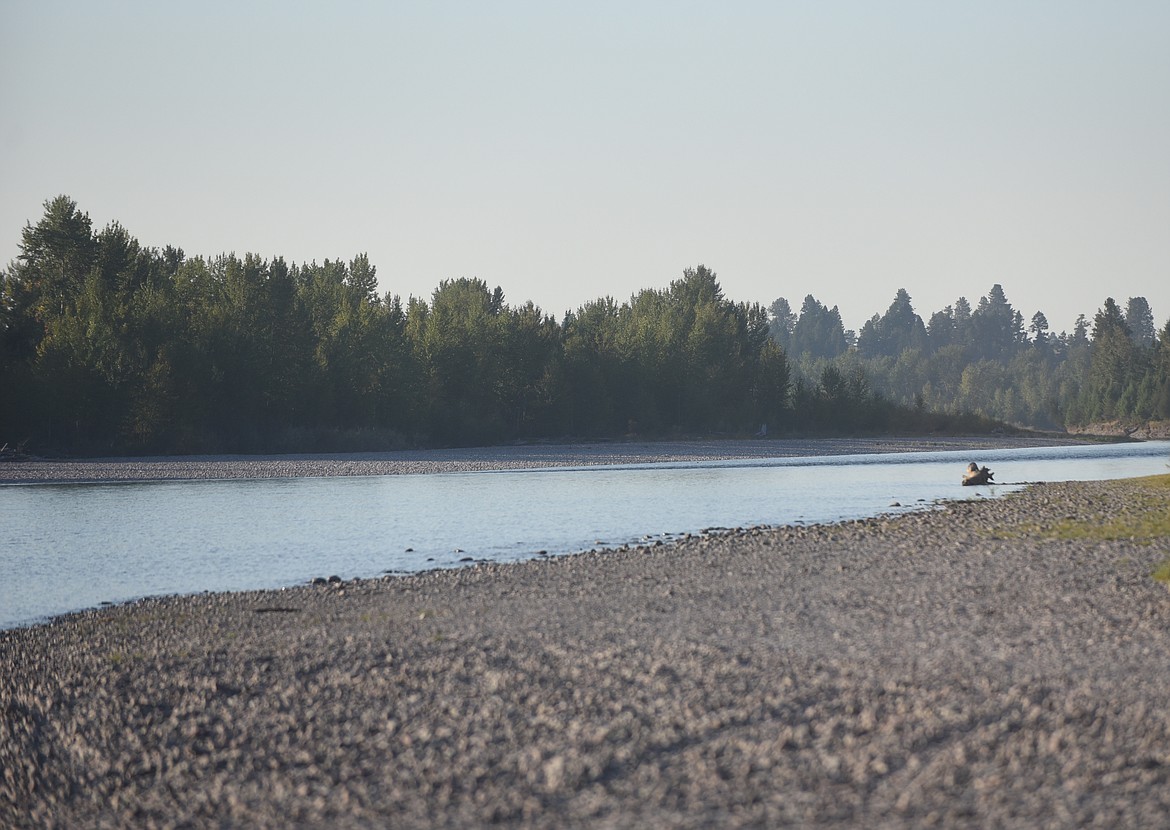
570,151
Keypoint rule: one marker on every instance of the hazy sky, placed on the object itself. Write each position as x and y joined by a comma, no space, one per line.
567,151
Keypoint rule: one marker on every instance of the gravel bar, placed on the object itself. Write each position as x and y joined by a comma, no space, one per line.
958,667
530,456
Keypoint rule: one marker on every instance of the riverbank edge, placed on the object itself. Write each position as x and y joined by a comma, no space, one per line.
514,457
250,707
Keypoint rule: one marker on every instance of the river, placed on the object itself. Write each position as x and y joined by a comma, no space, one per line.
71,546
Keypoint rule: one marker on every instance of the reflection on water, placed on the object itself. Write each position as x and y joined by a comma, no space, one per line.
72,546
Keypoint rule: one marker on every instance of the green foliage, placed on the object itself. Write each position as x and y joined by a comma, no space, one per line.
681,360
982,362
895,332
106,345
818,331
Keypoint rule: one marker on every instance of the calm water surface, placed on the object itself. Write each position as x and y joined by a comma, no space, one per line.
71,546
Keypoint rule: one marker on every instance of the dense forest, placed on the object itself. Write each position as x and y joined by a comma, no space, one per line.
985,361
106,345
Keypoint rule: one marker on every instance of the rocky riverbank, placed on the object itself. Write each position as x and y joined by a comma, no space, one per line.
1140,430
979,665
527,456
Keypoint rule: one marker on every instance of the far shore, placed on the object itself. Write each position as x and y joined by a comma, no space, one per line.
512,457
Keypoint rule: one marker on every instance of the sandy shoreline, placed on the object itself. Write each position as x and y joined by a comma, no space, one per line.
950,668
530,456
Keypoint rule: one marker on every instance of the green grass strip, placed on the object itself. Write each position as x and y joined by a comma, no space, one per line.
1149,520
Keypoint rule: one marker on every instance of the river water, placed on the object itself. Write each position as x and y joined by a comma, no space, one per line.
65,547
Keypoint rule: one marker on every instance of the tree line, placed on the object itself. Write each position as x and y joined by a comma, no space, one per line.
107,345
984,360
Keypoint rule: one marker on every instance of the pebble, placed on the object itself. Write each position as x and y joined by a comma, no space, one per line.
950,668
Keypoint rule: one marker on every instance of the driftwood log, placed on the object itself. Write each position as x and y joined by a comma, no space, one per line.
977,475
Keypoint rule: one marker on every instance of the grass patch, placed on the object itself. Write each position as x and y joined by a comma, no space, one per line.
1161,482
1148,520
